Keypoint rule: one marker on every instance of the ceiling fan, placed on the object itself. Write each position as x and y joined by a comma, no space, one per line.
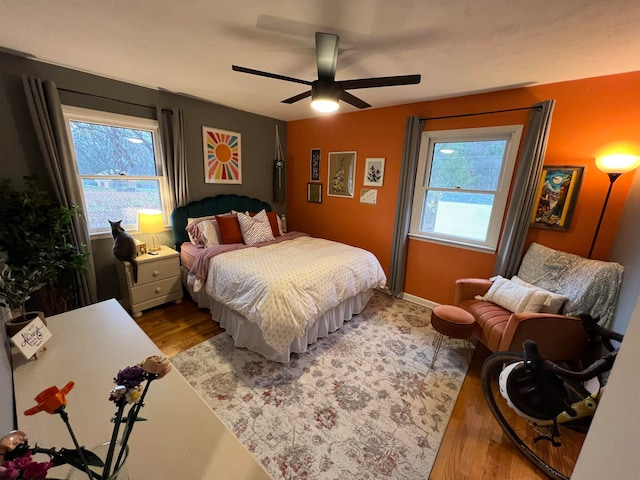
326,91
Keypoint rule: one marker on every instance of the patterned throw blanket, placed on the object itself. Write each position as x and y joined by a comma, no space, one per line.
592,286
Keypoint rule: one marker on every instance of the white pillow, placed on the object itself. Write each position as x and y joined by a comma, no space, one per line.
515,298
256,229
554,301
210,231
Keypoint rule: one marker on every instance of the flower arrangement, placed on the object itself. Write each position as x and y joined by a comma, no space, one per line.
132,384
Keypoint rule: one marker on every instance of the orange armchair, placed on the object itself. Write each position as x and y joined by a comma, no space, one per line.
559,337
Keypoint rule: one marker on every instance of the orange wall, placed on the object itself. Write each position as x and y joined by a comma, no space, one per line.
590,117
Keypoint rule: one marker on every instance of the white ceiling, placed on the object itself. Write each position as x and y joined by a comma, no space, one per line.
458,46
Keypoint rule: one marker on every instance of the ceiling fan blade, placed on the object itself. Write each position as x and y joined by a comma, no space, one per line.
236,68
296,98
379,82
353,100
327,55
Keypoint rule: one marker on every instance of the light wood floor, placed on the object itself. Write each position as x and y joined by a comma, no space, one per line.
473,446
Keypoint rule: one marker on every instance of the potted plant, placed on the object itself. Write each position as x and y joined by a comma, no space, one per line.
36,235
16,286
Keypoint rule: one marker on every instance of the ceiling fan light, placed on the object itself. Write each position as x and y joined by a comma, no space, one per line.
324,105
324,96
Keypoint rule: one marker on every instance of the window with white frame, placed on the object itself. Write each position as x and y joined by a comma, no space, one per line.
119,163
462,185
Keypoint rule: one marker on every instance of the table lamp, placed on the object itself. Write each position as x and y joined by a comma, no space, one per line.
614,166
151,221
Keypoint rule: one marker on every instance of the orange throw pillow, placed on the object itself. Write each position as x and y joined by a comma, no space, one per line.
229,229
273,221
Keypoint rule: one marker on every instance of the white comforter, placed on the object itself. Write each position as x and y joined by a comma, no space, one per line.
285,287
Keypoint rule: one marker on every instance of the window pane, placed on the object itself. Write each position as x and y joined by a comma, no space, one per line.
468,165
107,150
459,214
110,199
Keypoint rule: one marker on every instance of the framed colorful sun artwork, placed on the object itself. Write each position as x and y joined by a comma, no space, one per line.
222,159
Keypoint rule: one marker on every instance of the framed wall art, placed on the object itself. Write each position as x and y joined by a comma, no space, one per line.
368,196
222,156
314,192
315,165
557,196
373,172
342,168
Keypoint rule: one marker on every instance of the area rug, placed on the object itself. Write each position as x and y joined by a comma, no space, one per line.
361,403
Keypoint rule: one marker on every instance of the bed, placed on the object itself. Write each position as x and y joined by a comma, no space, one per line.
275,295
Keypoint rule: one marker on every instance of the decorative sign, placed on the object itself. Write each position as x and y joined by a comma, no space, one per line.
31,338
368,196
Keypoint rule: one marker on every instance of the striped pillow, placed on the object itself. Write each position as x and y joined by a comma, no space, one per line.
256,229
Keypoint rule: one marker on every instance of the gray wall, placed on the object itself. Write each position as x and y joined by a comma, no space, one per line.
20,154
625,251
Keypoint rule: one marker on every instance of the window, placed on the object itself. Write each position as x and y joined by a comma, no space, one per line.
119,164
462,185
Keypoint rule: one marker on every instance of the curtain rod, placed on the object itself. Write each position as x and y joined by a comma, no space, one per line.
533,107
108,98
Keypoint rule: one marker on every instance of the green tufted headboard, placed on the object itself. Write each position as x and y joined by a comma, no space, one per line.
211,206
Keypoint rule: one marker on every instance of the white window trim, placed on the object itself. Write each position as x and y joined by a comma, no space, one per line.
511,133
100,117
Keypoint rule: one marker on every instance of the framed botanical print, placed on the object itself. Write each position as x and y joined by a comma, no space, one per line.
222,156
342,168
557,196
373,172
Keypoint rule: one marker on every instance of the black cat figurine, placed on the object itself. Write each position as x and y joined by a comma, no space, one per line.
124,247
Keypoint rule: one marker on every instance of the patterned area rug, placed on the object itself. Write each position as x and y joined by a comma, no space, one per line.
362,403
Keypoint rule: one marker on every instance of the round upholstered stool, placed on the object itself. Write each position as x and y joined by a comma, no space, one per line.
450,321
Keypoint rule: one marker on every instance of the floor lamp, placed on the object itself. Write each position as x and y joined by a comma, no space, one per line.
614,166
151,221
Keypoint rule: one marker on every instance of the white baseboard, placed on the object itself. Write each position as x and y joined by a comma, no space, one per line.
411,298
419,300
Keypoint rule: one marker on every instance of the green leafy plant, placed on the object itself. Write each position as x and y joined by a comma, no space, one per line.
35,232
17,284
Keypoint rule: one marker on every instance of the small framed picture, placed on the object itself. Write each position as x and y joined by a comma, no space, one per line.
368,196
557,195
342,168
314,192
315,165
373,172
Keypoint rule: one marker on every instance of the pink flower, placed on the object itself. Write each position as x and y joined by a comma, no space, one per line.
36,470
157,365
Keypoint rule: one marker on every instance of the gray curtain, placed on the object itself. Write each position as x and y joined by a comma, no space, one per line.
410,151
46,113
171,122
525,188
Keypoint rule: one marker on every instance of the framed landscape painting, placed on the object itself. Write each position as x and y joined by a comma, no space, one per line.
314,192
222,156
557,196
342,168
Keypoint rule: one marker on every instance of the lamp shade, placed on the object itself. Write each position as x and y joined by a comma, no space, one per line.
150,221
618,163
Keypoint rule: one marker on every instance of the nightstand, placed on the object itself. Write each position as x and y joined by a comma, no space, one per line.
159,281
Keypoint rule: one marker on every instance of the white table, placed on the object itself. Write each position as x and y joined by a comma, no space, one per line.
183,438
